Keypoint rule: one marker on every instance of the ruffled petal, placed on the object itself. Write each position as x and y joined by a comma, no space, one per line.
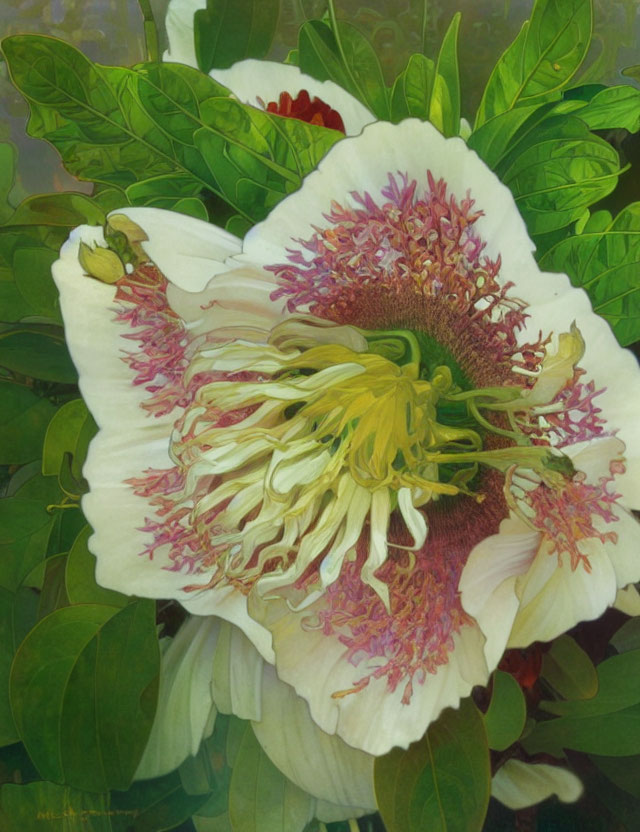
375,719
321,764
254,82
554,597
488,582
186,712
517,784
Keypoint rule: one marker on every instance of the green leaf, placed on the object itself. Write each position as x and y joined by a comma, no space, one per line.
628,636
26,286
153,805
441,783
611,108
617,689
623,771
63,209
54,808
24,417
444,106
53,595
7,177
231,30
172,193
32,270
261,798
411,92
83,691
569,670
85,111
69,432
8,732
608,724
605,263
38,353
348,59
507,712
492,142
25,528
120,126
614,734
80,579
542,59
556,170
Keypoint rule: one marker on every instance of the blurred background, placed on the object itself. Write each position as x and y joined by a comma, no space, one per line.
110,32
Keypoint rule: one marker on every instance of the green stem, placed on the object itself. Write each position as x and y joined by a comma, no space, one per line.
150,31
336,33
517,437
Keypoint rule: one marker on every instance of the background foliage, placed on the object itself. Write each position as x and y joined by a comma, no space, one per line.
170,136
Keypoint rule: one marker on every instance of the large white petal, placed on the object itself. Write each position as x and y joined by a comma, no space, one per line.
186,712
129,442
488,581
517,784
251,80
321,764
554,598
364,162
374,719
237,674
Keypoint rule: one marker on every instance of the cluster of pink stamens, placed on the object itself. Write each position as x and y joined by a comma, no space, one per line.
566,514
414,256
571,417
161,361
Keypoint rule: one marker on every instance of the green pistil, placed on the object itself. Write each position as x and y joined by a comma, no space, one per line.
462,418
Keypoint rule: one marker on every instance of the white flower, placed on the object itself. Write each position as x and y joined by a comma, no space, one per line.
282,88
397,471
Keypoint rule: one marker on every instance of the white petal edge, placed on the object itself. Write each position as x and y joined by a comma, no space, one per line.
517,784
554,598
128,442
251,80
319,763
373,720
488,581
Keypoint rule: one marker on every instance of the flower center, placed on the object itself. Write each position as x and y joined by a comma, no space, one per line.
303,107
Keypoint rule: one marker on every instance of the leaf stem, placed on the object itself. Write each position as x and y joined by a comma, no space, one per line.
336,33
150,31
